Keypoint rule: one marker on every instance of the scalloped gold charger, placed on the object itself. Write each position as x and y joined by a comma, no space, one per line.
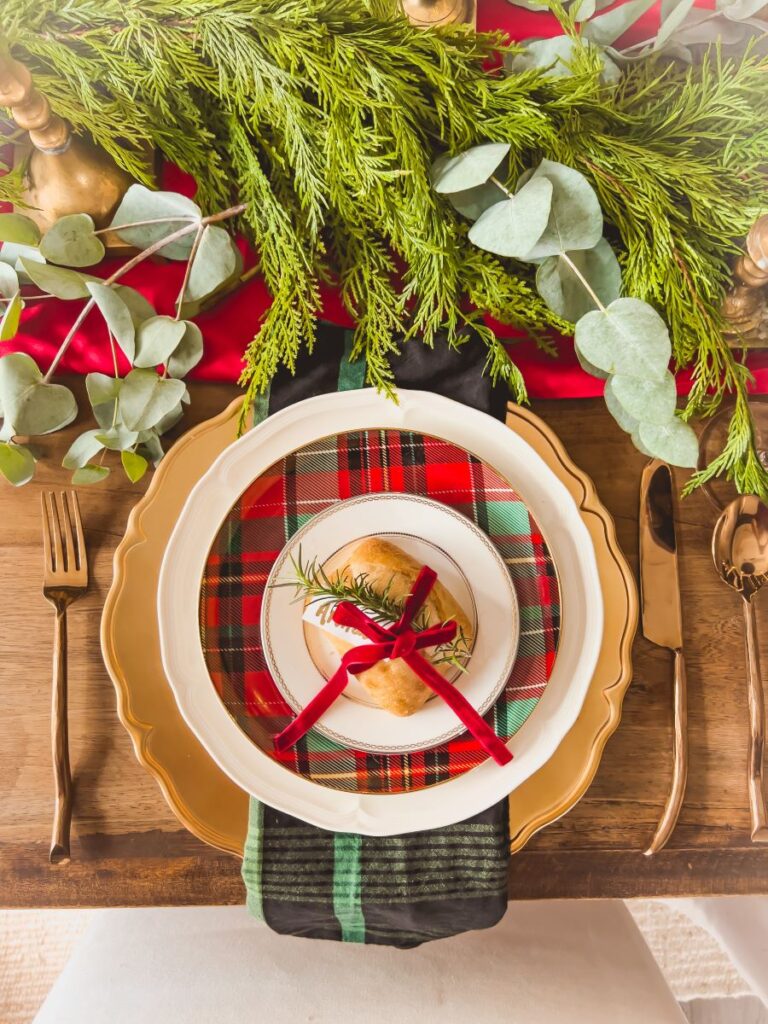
206,800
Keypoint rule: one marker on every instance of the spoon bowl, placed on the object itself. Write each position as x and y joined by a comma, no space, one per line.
740,554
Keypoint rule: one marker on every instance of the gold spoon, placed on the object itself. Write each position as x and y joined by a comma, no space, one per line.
740,552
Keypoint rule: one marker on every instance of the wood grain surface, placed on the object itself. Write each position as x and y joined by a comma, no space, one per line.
127,847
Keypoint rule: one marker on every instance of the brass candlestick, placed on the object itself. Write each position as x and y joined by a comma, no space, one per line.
64,173
746,305
428,13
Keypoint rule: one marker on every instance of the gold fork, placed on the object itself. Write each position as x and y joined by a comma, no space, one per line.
65,579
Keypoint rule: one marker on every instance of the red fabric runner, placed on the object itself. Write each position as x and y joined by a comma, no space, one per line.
228,328
397,641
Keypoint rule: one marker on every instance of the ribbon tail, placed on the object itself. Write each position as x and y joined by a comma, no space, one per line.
476,725
316,708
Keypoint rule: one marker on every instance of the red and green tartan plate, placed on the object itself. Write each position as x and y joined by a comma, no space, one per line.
283,499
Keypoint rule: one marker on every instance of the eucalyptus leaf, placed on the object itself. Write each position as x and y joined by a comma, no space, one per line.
90,475
135,466
117,316
156,338
469,169
188,352
169,421
556,56
562,290
17,463
118,438
103,394
145,398
575,217
627,423
30,406
513,226
82,450
674,442
18,229
647,401
9,323
63,283
9,281
152,446
590,368
72,242
216,260
607,28
141,309
671,22
172,210
583,9
474,201
639,444
628,338
11,255
739,9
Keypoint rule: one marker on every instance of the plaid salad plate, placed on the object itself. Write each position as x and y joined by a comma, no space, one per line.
287,496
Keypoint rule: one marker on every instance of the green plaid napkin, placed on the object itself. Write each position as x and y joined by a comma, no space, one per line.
393,890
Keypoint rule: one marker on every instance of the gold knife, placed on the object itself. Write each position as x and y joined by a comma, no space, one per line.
662,620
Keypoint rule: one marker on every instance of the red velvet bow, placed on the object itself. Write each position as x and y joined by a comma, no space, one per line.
397,641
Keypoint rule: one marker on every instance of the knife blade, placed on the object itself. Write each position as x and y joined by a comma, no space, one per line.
662,620
659,580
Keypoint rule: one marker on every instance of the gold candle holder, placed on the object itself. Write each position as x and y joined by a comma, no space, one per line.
63,173
746,305
432,13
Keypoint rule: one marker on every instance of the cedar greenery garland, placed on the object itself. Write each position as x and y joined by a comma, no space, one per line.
324,117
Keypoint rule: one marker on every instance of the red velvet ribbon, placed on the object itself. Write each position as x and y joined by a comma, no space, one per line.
397,641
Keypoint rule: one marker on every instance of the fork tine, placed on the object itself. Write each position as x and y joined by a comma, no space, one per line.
56,533
47,555
65,520
75,509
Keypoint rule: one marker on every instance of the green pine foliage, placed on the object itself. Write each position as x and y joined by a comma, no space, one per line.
324,116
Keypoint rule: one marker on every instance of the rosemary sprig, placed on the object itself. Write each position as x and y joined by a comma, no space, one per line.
312,583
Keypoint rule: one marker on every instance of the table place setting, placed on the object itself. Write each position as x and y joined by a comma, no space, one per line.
371,624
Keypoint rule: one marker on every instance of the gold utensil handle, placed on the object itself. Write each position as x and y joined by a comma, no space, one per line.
671,813
62,815
756,696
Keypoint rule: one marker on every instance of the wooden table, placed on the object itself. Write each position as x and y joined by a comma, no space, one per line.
129,849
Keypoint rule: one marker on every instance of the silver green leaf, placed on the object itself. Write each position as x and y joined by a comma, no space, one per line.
90,475
639,444
169,421
590,368
9,281
188,352
628,338
216,260
674,442
135,465
474,201
30,406
672,18
63,283
156,338
141,309
18,229
17,464
118,438
152,446
513,226
555,57
739,9
469,169
575,217
647,401
9,322
145,398
117,316
562,290
607,28
170,209
72,242
82,450
103,394
616,409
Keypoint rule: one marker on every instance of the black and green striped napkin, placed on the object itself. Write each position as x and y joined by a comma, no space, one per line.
393,890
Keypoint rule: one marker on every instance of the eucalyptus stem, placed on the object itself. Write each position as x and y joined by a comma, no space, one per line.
188,270
141,223
161,243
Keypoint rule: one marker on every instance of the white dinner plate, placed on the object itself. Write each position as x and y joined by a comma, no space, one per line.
550,504
467,563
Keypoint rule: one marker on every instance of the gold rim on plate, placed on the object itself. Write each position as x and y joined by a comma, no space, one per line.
204,799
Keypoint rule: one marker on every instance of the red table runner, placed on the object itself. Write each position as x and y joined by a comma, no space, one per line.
229,327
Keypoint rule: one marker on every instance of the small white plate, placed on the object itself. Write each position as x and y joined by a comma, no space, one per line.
475,574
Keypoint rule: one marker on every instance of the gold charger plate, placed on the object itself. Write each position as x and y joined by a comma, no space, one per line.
206,800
